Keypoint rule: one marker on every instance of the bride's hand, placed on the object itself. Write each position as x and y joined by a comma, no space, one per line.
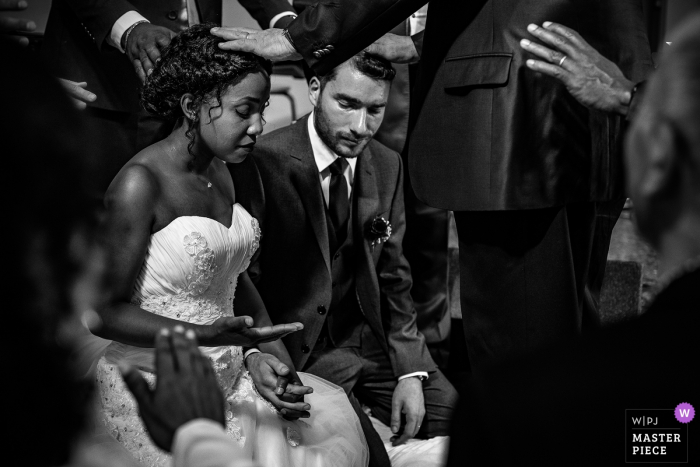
270,377
240,331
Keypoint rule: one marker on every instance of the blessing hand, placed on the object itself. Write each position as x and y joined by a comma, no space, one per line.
270,43
9,25
239,331
407,400
592,79
143,47
271,378
187,388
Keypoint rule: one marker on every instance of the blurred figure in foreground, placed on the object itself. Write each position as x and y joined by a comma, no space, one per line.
568,406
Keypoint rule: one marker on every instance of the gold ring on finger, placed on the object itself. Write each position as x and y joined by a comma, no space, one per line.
561,62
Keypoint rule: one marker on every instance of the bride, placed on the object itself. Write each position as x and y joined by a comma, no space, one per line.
178,246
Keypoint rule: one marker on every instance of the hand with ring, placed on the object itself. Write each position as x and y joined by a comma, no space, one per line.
592,79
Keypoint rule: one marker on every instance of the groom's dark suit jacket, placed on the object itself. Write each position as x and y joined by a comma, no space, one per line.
487,133
279,185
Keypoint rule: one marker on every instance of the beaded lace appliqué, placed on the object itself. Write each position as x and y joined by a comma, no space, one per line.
196,246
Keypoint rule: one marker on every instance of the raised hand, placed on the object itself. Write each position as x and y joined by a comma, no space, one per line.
9,25
270,43
143,46
271,378
77,92
395,48
592,79
187,388
407,400
239,331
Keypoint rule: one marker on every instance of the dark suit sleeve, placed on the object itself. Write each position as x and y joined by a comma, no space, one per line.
407,350
98,16
264,10
348,26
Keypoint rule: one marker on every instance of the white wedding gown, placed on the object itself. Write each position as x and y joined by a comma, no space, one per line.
190,274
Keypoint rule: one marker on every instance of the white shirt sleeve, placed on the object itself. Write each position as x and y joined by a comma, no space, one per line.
204,443
121,25
281,15
421,374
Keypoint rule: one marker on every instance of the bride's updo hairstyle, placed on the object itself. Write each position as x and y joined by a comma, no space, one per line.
193,63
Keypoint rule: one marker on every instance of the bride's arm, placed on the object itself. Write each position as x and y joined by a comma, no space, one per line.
125,235
248,301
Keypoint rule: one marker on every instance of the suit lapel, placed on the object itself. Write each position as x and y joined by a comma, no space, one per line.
308,186
365,190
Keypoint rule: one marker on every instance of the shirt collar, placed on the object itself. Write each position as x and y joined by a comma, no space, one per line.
323,155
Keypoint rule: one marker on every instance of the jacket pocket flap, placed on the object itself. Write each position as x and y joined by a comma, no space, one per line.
477,70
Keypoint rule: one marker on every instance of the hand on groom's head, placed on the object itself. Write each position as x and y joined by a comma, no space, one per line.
187,387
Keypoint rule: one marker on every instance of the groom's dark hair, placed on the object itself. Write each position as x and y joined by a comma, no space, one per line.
370,65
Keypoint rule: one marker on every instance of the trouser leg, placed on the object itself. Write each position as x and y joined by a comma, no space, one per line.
522,277
377,383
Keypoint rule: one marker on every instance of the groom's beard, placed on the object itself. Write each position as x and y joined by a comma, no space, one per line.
344,144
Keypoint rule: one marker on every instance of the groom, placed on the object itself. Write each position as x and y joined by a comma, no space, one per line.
330,202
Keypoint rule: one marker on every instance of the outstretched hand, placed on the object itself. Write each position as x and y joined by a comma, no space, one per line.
239,331
187,388
77,92
276,383
10,25
592,79
269,44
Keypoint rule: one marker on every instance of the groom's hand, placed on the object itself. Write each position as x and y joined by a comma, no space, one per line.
407,400
271,380
187,388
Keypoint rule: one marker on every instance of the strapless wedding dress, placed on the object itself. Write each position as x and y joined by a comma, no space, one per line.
190,274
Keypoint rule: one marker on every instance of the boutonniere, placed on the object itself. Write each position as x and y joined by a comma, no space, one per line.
379,231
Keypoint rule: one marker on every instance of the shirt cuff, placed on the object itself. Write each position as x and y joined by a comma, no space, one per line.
250,352
422,375
124,22
276,18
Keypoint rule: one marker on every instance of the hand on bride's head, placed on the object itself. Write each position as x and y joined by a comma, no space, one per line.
187,387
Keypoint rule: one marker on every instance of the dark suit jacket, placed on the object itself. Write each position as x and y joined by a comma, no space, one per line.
487,133
75,44
566,406
279,185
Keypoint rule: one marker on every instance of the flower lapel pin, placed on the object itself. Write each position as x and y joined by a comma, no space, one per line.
379,231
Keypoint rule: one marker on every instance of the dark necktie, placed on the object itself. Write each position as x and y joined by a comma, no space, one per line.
338,204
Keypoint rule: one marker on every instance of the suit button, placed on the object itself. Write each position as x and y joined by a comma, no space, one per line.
321,309
333,284
172,15
337,255
305,348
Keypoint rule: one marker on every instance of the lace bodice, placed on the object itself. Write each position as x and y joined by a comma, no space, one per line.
190,273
